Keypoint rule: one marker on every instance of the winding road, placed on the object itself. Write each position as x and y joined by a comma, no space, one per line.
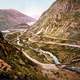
42,65
45,53
51,66
54,43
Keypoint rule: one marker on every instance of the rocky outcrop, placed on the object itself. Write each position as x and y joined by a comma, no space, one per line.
61,20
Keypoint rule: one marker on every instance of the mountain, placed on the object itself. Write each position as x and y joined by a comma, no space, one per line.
58,31
61,20
49,50
10,18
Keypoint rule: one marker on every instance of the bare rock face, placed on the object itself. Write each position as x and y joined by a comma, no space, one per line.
61,20
61,24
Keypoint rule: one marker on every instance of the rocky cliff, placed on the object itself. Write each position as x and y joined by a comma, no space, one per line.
61,20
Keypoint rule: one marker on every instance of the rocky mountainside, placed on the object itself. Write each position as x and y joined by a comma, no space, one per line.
10,18
49,50
58,31
61,20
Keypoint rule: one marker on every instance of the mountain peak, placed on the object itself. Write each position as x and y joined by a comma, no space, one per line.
12,17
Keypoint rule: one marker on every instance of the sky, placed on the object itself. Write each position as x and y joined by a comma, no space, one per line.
33,8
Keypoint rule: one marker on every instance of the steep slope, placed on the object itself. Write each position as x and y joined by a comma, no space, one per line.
61,20
58,31
9,18
14,65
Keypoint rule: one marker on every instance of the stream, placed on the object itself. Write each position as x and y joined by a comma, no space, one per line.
45,53
49,66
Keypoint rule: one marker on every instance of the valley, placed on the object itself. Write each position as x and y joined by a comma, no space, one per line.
47,59
47,50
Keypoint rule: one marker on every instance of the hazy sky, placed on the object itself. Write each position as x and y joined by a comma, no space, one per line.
32,8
